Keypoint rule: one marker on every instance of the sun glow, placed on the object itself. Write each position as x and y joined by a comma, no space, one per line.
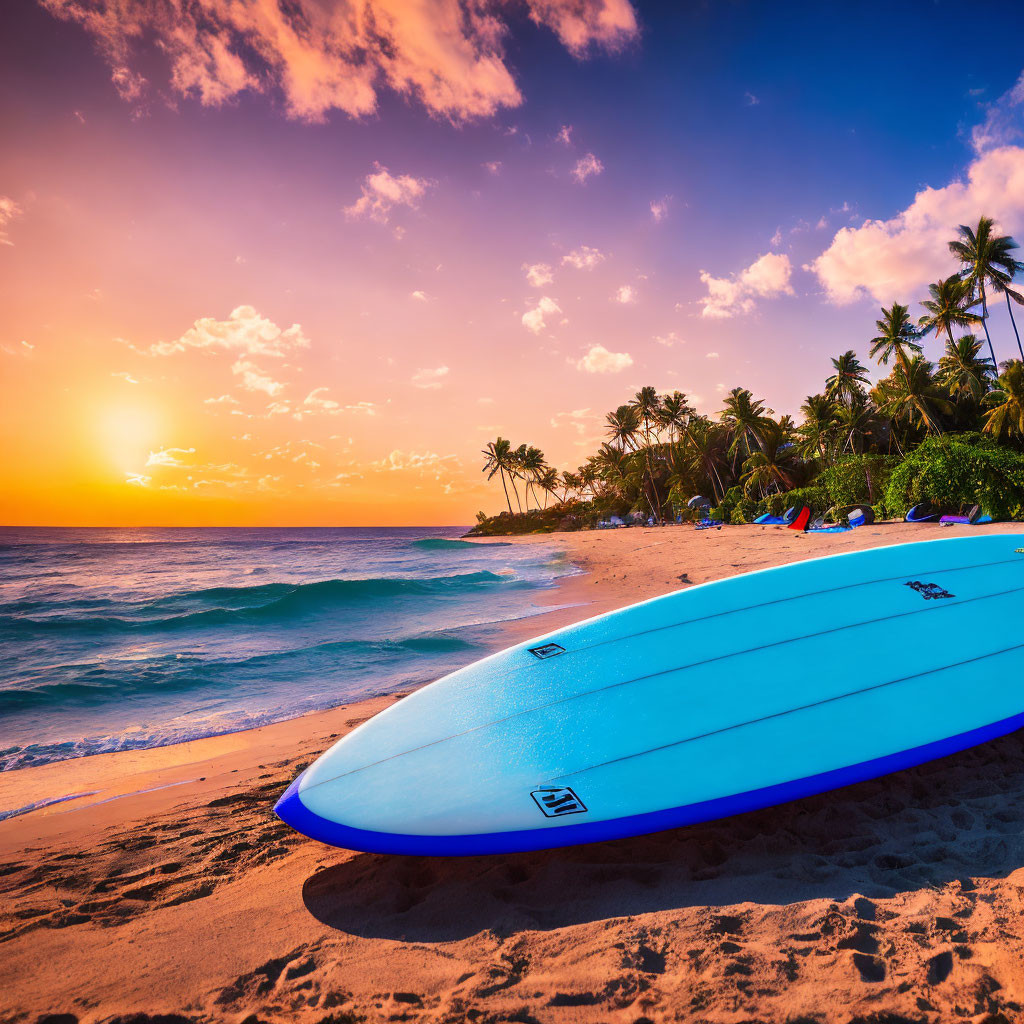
127,433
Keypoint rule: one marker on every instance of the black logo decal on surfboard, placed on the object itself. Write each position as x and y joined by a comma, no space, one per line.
546,651
929,591
555,802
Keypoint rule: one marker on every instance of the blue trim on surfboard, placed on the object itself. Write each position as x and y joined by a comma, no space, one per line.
292,811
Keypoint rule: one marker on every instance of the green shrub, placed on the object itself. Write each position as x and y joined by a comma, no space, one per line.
954,470
847,480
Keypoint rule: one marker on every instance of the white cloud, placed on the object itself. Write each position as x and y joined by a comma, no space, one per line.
584,258
254,378
494,166
586,167
138,479
599,360
1003,122
315,402
428,379
564,135
430,463
126,377
538,274
581,420
751,100
711,355
891,259
626,295
766,277
420,296
535,319
382,191
222,400
169,457
245,332
9,209
659,208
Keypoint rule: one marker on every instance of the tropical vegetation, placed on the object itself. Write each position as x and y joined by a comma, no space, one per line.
944,426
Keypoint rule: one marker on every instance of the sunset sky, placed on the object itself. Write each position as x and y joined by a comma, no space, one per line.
276,268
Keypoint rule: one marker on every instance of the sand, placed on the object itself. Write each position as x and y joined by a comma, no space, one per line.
171,893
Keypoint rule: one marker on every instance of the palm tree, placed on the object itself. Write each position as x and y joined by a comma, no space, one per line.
949,307
648,408
499,458
910,393
896,335
549,481
623,425
706,454
962,373
771,468
849,379
1007,399
746,417
986,259
532,465
818,428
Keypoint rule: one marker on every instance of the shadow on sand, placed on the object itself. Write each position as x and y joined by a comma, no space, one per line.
952,819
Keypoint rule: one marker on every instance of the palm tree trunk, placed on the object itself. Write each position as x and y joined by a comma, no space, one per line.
984,323
1009,310
505,488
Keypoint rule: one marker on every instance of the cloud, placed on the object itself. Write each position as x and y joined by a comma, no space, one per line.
659,208
599,360
138,479
336,56
431,463
538,274
9,209
668,340
581,420
419,296
254,378
564,135
586,167
626,295
222,400
169,457
314,402
891,259
534,319
1003,122
126,377
494,166
584,258
245,332
382,191
583,24
766,277
428,379
751,100
711,355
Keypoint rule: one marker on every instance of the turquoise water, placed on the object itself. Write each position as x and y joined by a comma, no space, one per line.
119,639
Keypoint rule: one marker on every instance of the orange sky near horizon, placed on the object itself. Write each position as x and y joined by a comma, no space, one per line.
260,265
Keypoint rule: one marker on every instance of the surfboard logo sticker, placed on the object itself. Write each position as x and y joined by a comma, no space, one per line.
929,591
546,650
555,802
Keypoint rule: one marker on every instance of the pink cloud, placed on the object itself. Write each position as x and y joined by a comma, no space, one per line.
382,190
766,277
587,167
327,56
888,259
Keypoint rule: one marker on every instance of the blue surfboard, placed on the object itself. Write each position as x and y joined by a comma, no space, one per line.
689,707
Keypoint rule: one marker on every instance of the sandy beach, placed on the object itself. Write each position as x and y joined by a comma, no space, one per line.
167,890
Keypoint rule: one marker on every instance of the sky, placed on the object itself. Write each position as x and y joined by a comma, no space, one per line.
268,263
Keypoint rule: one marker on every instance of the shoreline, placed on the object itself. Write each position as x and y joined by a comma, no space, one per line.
143,888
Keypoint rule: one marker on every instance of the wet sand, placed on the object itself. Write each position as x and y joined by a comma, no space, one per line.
171,893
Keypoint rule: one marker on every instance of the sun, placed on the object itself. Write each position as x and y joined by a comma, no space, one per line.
127,433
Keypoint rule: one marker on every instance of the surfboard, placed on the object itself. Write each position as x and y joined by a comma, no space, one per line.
722,698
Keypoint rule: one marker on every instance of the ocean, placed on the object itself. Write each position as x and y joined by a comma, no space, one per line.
114,639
